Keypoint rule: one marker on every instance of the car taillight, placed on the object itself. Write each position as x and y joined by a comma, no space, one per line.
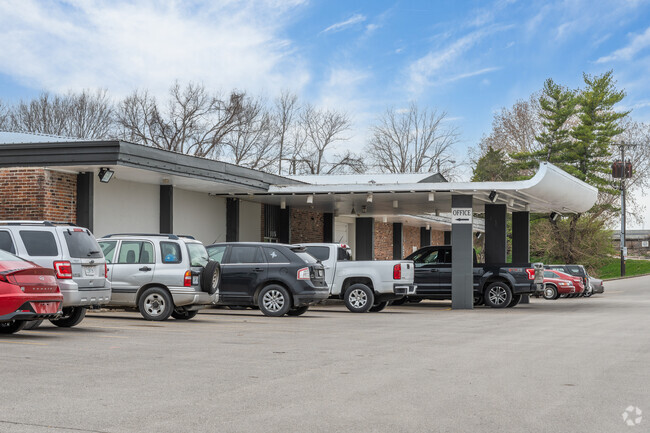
63,270
303,274
187,280
397,272
531,274
3,278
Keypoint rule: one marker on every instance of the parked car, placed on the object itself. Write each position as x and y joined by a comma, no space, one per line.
556,285
279,279
27,292
595,285
576,271
161,275
363,285
497,285
74,255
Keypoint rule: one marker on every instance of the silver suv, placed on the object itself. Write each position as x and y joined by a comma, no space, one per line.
74,255
161,275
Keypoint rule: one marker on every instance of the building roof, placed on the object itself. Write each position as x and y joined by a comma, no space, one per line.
373,179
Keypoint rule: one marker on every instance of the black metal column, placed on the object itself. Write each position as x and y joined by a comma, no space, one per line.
521,242
447,238
85,200
425,237
284,226
462,257
495,233
365,238
328,227
166,209
398,241
232,220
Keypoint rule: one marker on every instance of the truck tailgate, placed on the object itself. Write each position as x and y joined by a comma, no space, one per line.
408,271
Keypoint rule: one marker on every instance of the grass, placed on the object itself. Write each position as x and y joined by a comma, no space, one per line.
612,268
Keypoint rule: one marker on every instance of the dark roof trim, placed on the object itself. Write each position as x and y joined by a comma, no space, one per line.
112,153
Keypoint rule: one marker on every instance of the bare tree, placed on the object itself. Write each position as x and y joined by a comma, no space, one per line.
286,111
636,133
322,128
79,115
4,117
193,122
411,141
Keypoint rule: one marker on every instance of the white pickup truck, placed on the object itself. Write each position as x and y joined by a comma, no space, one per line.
363,285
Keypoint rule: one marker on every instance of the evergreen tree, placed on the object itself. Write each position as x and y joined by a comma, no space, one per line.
493,167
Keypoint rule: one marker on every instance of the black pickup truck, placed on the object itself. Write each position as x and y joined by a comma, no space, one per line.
497,285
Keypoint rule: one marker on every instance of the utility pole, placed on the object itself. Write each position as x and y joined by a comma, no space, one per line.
623,174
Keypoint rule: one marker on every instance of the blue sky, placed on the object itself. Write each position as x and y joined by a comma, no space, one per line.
467,58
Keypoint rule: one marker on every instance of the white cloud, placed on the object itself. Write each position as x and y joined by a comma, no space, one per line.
638,43
121,46
354,19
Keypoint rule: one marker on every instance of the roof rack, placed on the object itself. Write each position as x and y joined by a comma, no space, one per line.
36,223
166,235
187,236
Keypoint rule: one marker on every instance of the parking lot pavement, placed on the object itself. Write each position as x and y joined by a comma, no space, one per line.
567,365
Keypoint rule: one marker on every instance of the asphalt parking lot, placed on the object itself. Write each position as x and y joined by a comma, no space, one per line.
568,365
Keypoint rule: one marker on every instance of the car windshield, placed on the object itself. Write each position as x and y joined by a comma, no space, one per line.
198,254
82,244
8,257
306,257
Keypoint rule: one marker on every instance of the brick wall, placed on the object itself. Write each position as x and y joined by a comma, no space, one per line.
437,237
383,241
411,236
306,226
38,194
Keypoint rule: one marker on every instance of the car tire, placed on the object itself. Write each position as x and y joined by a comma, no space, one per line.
181,314
498,295
11,327
32,324
359,298
298,311
400,301
156,304
478,301
515,300
550,292
211,277
72,316
274,301
378,307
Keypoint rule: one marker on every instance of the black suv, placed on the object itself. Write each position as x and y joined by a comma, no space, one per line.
279,279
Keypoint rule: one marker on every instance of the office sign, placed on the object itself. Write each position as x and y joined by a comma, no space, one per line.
461,215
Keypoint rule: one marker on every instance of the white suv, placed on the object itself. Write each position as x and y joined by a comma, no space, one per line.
161,275
74,255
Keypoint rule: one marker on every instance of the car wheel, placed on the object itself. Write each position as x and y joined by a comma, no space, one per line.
182,314
11,327
378,307
156,304
298,311
359,298
72,316
498,295
274,301
550,292
400,301
589,292
32,324
211,277
515,301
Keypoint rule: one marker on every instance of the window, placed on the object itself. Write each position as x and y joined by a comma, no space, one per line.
320,253
39,243
6,243
108,248
306,257
198,254
274,255
216,253
245,254
344,255
81,244
136,252
549,274
170,252
426,257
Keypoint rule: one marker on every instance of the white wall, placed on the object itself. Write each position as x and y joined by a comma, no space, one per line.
122,206
200,215
250,221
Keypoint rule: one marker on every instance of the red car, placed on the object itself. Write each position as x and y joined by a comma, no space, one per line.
27,292
578,282
554,285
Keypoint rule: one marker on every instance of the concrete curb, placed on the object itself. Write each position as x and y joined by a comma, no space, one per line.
627,277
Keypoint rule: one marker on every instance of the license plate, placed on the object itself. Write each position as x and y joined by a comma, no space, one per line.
195,281
89,271
45,307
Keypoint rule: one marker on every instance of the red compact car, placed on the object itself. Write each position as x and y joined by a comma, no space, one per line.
27,292
578,282
554,285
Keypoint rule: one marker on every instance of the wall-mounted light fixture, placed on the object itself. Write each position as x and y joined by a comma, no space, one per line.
105,174
283,203
431,197
478,235
385,219
364,209
310,199
554,216
428,227
395,204
493,196
511,202
369,197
